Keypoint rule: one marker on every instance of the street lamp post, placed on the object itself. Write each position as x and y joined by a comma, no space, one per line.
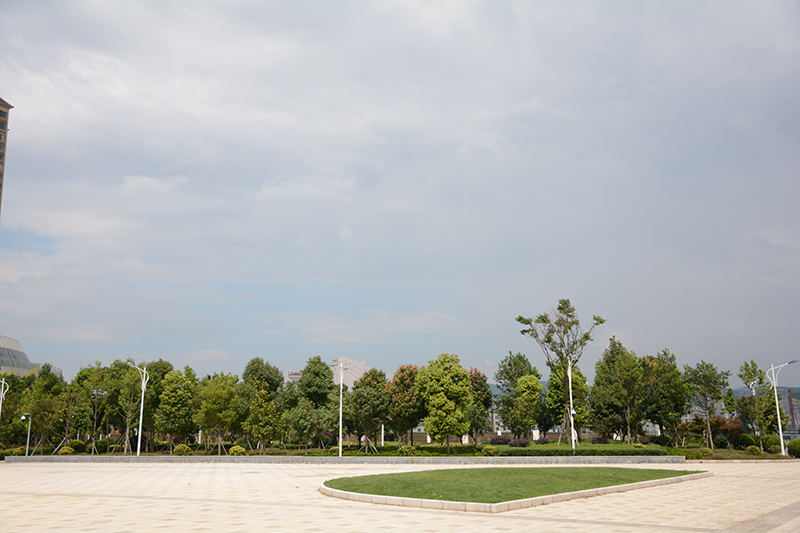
3,391
772,374
28,442
145,378
571,408
341,381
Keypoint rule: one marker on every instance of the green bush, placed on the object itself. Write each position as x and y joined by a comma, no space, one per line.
182,449
769,440
745,440
720,441
565,451
688,454
489,451
794,448
66,450
18,451
752,450
407,449
638,445
775,448
78,445
706,452
237,450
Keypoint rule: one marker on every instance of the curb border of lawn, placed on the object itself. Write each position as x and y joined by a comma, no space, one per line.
321,459
502,507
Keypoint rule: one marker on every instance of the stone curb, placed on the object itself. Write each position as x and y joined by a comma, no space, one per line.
299,459
502,507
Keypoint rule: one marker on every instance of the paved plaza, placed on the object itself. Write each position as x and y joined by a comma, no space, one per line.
115,497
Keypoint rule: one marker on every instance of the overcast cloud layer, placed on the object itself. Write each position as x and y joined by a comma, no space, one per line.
210,182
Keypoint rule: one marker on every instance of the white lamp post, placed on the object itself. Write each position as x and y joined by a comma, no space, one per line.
3,391
774,370
145,379
28,442
341,380
571,409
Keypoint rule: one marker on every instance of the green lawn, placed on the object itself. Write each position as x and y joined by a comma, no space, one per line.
496,484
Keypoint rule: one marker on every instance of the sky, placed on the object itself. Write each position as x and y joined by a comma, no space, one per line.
208,182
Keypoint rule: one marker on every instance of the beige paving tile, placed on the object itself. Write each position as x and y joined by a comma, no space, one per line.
281,497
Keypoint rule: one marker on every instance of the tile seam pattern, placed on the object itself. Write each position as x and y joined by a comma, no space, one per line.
504,506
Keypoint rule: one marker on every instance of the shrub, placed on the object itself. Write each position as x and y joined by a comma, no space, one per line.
18,451
66,450
599,440
661,440
237,450
769,440
567,450
521,442
542,440
752,450
745,440
500,439
688,454
644,439
794,448
706,452
182,449
489,451
720,441
639,445
407,449
775,448
78,445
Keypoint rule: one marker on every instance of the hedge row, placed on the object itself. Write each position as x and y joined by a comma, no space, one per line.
552,452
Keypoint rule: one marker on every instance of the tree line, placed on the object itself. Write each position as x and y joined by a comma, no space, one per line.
262,410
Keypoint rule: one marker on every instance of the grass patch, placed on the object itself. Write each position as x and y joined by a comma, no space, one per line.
495,485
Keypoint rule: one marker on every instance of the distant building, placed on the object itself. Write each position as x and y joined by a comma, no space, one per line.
5,107
14,360
294,377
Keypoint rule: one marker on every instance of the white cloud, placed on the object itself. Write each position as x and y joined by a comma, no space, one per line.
478,159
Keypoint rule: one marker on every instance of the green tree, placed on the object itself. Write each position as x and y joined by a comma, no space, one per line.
667,395
370,400
219,407
446,389
511,368
263,375
156,371
521,407
481,403
562,339
264,421
93,383
708,386
557,403
752,408
481,392
177,407
515,415
299,421
12,430
617,394
406,408
316,381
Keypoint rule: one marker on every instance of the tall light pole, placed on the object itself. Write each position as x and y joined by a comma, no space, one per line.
28,442
3,391
774,370
341,381
571,409
145,378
